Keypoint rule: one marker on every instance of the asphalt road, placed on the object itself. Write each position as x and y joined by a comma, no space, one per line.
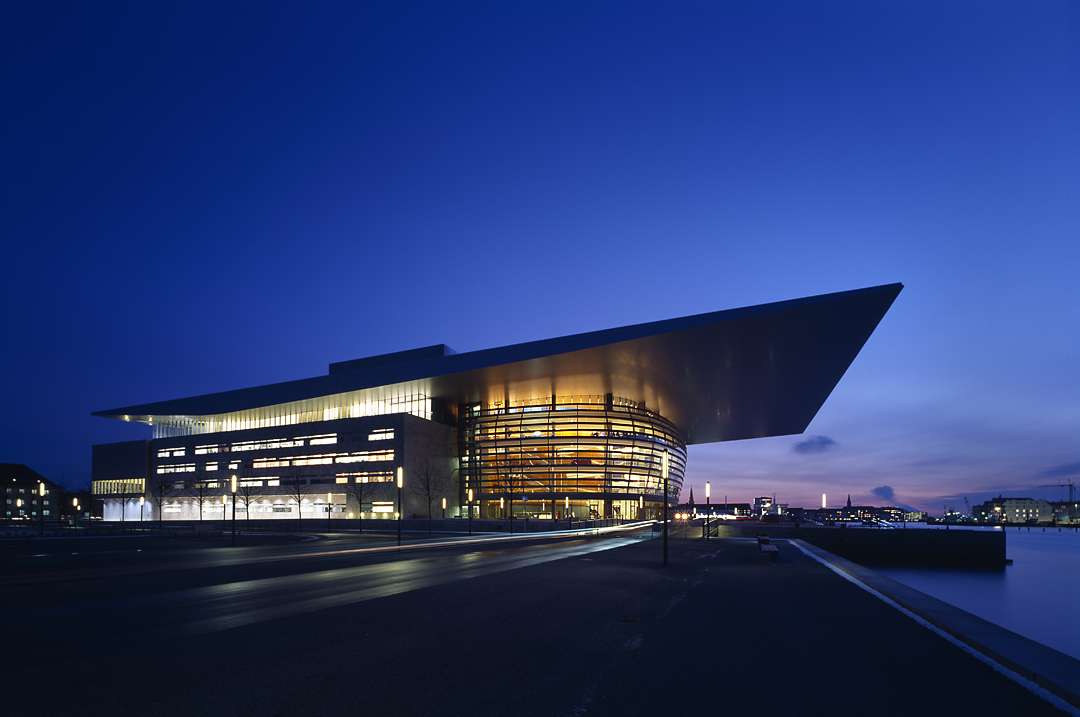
577,626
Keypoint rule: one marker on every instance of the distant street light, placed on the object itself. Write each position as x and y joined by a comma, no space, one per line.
329,508
41,506
401,509
708,511
640,506
569,515
444,508
232,487
664,474
75,504
469,504
142,501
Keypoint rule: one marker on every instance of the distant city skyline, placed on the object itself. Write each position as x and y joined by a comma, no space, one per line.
190,207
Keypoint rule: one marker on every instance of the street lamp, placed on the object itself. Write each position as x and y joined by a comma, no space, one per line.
18,504
224,502
329,508
232,489
41,505
469,504
400,484
502,506
640,505
75,505
569,515
708,511
664,474
444,509
142,501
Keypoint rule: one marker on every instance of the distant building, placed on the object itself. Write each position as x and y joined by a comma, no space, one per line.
1014,510
723,510
22,498
1065,512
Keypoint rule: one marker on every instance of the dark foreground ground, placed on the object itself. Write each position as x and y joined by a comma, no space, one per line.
586,626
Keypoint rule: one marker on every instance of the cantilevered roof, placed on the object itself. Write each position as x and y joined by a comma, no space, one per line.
739,373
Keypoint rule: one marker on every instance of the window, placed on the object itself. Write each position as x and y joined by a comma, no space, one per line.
381,434
212,466
382,507
171,452
365,456
177,468
267,444
117,486
367,477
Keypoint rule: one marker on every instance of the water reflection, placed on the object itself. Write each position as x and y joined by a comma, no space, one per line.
1037,596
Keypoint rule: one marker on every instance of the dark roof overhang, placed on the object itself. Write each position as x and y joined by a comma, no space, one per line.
739,373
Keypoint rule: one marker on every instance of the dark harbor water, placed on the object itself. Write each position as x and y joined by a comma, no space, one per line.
1037,596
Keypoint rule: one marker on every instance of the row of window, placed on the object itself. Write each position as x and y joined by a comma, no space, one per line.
323,459
325,439
118,486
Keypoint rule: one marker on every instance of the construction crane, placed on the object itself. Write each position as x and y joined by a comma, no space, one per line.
1070,485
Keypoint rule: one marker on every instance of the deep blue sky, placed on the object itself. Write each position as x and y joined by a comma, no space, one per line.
202,198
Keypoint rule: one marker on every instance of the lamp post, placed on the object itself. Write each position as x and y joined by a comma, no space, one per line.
142,502
41,506
75,505
18,504
224,502
708,510
232,487
569,515
502,505
400,484
469,505
525,501
640,505
664,474
329,508
444,508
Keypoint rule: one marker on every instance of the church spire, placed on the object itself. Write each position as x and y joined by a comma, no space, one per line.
691,496
849,500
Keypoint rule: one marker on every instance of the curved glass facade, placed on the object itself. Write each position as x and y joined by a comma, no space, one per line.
603,456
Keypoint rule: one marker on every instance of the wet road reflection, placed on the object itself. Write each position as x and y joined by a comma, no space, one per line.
228,605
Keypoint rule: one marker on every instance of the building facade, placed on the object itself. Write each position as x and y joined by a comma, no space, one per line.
592,425
1013,510
23,490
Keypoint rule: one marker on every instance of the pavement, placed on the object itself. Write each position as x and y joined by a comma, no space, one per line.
562,627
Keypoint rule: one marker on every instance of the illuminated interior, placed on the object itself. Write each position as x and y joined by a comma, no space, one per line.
604,454
353,404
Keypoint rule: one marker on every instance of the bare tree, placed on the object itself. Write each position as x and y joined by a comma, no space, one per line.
298,493
201,489
161,490
250,493
123,493
356,489
426,485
